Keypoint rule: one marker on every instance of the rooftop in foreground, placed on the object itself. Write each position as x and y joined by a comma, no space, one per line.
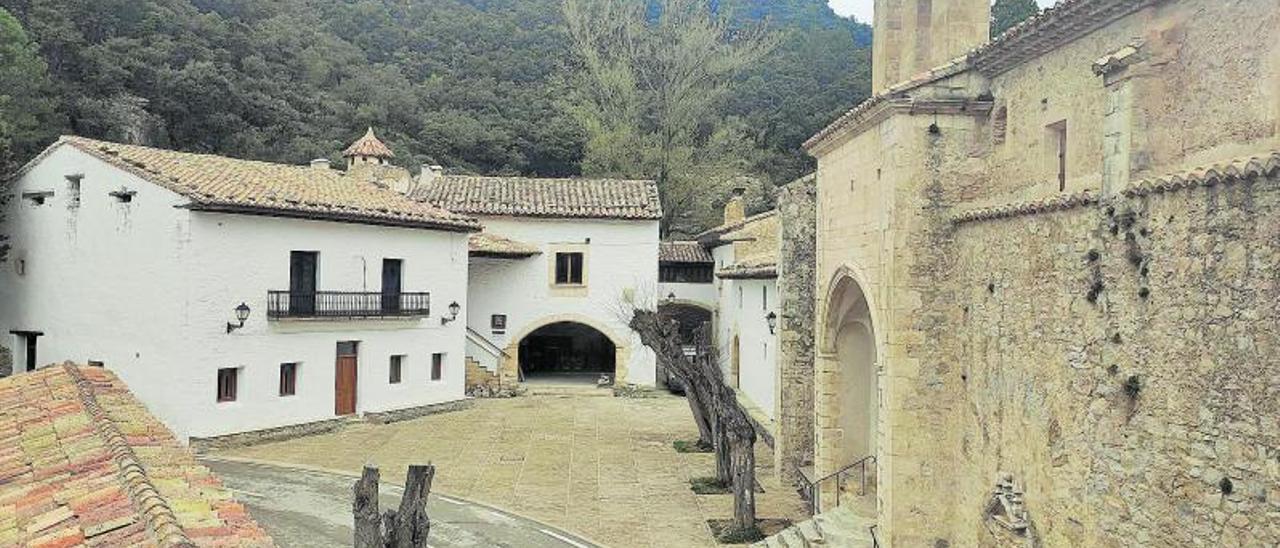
82,462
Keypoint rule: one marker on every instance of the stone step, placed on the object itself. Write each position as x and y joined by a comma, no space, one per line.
810,531
841,527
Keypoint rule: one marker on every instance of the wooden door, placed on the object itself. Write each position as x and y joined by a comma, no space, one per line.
344,388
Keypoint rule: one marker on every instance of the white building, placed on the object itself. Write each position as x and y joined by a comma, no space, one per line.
745,251
552,274
137,259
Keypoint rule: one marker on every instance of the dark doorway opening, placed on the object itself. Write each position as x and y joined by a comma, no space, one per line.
691,319
567,349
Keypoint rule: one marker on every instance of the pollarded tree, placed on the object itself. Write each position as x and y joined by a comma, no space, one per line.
1007,13
734,434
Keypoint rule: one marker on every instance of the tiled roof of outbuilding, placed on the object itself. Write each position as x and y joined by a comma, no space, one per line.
713,235
555,198
83,463
749,271
369,145
219,183
485,244
684,252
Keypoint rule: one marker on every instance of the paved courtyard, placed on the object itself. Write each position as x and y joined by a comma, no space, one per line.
600,467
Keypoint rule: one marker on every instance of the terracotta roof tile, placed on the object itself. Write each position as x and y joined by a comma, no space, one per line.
101,491
557,198
485,244
369,145
748,271
684,252
218,183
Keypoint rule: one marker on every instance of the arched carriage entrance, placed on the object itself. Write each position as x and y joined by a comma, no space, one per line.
570,347
567,349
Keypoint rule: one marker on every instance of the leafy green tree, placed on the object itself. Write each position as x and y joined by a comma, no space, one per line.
1007,13
26,113
650,92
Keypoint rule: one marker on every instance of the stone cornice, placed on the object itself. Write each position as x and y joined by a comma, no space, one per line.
876,110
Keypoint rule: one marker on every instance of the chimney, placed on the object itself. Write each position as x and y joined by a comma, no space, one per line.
320,163
430,173
736,208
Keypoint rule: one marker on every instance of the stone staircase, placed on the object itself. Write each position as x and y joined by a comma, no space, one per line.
840,527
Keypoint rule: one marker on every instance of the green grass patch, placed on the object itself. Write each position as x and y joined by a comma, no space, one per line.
709,486
686,446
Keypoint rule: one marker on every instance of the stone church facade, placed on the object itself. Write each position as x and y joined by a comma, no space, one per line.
1051,257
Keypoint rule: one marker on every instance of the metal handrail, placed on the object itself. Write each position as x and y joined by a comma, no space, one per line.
814,488
493,347
347,304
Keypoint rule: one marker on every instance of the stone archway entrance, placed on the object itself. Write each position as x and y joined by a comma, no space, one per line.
691,317
567,350
850,353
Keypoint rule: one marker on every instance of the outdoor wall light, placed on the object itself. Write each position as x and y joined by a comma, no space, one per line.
242,314
454,309
671,297
772,318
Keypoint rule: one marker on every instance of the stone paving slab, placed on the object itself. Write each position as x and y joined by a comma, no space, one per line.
599,467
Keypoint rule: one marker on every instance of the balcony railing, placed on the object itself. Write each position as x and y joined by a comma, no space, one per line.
346,304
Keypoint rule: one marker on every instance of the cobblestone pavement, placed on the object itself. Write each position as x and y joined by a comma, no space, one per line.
599,467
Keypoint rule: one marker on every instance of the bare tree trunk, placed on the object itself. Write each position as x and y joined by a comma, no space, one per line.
368,527
411,522
701,415
406,528
741,439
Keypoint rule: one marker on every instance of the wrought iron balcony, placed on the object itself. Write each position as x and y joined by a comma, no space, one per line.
346,304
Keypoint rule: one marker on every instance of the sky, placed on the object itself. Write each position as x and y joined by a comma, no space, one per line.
862,8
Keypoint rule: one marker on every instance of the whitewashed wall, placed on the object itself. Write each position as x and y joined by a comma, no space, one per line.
622,262
705,295
741,313
148,289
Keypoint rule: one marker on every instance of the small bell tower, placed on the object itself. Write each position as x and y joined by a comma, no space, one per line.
367,151
913,36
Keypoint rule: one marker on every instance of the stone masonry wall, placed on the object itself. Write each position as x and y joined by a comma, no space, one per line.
1122,361
797,283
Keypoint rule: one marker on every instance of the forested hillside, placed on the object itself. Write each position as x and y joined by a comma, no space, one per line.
475,85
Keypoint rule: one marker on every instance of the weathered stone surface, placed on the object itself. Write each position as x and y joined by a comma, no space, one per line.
793,445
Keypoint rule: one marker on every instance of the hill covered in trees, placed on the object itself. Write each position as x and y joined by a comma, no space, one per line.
475,85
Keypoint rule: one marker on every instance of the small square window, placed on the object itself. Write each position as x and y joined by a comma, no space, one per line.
288,379
569,268
227,384
123,195
37,198
437,366
498,323
397,368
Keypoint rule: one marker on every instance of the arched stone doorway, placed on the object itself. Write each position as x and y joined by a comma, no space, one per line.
566,350
849,351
